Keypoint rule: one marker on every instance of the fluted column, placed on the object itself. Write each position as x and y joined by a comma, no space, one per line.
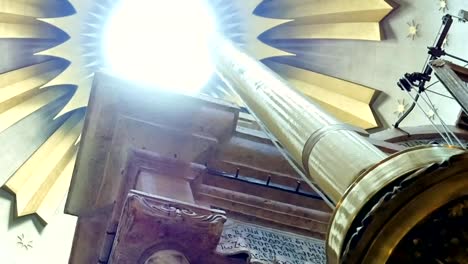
331,153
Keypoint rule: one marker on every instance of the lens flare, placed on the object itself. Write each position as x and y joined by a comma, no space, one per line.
161,43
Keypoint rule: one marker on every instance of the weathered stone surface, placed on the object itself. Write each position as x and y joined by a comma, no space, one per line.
264,245
150,224
143,140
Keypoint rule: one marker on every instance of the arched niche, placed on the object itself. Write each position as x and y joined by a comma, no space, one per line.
167,257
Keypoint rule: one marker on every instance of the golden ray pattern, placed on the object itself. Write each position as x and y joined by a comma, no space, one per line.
317,19
413,30
256,26
20,93
71,50
34,182
338,19
41,182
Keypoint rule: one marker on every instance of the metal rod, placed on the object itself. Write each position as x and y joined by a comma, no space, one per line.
456,57
435,127
251,180
410,109
429,102
444,127
443,95
447,22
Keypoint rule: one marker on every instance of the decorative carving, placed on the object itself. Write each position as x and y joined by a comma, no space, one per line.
177,211
443,5
150,224
24,243
264,245
438,244
397,188
401,107
413,30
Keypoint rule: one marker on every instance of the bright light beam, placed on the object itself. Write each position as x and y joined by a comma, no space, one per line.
163,43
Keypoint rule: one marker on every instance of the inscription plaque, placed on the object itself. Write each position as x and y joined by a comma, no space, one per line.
265,245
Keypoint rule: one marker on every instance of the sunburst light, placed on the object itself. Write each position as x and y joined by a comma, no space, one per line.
56,46
160,43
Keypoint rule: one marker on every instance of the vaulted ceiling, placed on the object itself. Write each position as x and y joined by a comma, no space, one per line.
53,48
343,53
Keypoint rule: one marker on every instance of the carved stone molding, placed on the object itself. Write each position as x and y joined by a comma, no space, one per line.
264,245
150,223
141,162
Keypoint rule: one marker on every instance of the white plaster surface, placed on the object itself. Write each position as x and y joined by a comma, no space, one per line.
380,64
51,244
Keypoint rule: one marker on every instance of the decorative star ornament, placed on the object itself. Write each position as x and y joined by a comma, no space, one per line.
443,5
413,30
431,113
24,243
401,108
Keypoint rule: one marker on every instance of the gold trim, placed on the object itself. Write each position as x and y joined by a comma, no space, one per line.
371,182
455,186
317,135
